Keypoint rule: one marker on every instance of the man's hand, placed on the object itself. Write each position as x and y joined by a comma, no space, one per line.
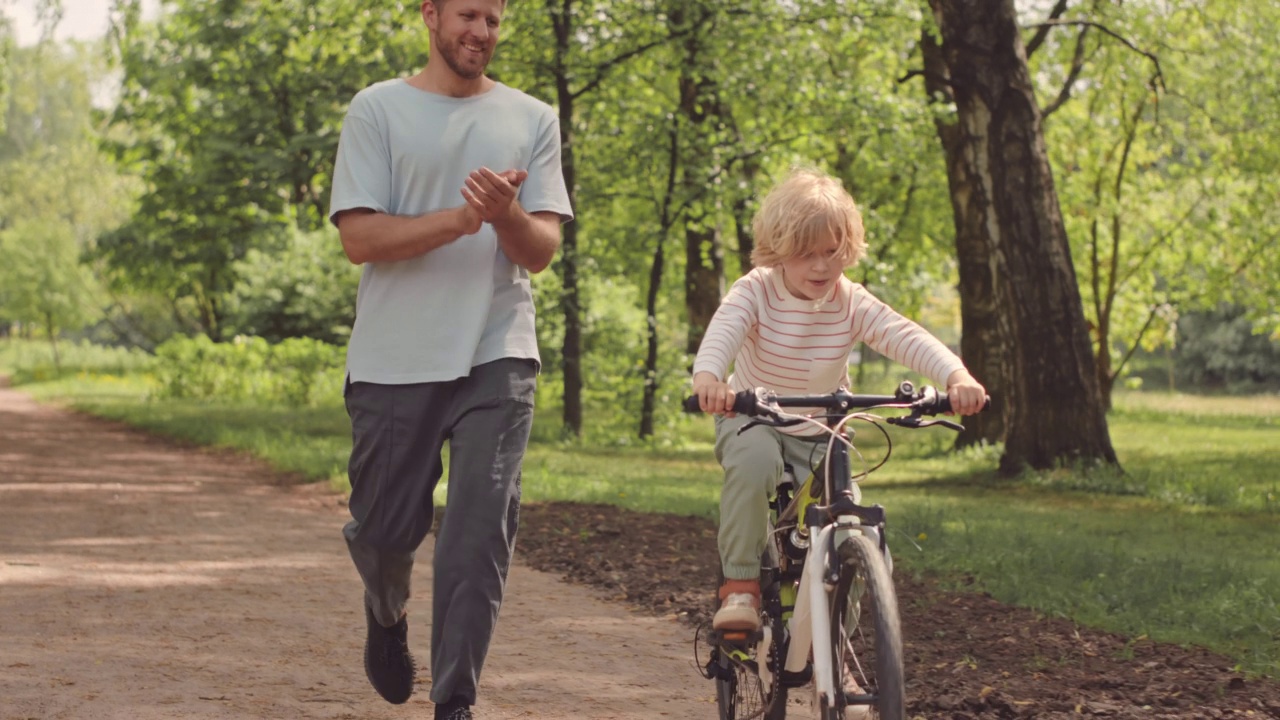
966,394
714,395
491,195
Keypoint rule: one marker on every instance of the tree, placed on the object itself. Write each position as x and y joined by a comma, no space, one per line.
568,51
232,143
7,47
1054,408
986,337
43,284
302,287
57,192
1153,166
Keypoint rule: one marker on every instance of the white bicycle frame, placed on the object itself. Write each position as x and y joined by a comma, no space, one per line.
810,625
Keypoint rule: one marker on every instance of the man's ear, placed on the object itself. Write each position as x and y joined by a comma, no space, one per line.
429,13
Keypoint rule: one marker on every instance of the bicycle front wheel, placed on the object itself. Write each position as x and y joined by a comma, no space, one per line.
866,637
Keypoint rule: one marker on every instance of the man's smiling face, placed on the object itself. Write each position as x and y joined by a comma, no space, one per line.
464,33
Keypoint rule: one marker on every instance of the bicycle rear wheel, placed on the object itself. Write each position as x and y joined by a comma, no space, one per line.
741,694
866,637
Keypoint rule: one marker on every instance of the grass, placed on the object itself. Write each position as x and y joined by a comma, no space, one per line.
1180,546
311,442
33,361
1123,564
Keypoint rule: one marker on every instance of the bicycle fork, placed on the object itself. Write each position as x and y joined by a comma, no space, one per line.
810,625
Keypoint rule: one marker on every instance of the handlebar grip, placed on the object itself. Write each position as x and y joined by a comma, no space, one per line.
744,403
943,404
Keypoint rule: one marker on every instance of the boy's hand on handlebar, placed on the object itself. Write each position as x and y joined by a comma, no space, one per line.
966,394
714,395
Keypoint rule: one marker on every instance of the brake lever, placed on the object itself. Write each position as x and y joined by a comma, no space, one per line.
771,422
915,422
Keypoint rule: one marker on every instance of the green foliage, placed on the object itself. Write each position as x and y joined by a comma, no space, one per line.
232,142
303,288
1168,205
29,361
294,373
56,190
7,47
1220,349
41,281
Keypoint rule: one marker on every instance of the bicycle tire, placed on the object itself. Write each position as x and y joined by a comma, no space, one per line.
866,634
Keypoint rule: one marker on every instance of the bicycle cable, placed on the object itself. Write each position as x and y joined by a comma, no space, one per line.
837,433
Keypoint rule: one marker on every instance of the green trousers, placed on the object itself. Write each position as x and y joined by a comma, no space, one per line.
753,463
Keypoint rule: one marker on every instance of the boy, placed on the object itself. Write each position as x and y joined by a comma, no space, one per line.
788,326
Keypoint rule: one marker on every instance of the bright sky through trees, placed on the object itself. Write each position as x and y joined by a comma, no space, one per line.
81,19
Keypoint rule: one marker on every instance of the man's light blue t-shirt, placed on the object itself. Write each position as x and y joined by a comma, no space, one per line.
406,151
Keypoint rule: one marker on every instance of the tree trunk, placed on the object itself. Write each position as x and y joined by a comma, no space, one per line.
742,216
1054,409
567,265
984,331
52,329
648,404
703,280
704,253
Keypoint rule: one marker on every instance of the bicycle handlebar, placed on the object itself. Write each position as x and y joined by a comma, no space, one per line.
761,402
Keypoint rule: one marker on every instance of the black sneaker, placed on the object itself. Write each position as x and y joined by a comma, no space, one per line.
454,710
387,661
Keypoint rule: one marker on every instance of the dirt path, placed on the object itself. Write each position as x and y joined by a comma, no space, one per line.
139,580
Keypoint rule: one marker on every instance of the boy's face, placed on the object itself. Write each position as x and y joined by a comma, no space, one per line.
811,276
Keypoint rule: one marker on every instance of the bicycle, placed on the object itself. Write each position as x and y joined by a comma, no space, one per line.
824,568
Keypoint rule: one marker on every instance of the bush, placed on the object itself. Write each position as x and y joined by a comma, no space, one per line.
32,361
1219,350
291,373
305,288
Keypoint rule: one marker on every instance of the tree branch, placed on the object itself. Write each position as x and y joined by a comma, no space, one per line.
1043,32
1157,80
1077,64
926,75
603,68
1137,342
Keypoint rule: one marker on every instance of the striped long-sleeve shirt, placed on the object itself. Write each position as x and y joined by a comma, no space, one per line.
794,347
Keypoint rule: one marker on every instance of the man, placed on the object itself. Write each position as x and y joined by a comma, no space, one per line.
448,189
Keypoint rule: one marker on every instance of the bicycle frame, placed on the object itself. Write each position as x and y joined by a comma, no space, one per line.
809,628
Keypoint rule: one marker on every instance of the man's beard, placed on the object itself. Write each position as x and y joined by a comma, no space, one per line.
451,52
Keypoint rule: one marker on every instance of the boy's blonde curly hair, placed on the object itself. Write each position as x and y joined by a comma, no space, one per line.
801,214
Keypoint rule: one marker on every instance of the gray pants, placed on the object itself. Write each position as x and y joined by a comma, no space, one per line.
398,432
